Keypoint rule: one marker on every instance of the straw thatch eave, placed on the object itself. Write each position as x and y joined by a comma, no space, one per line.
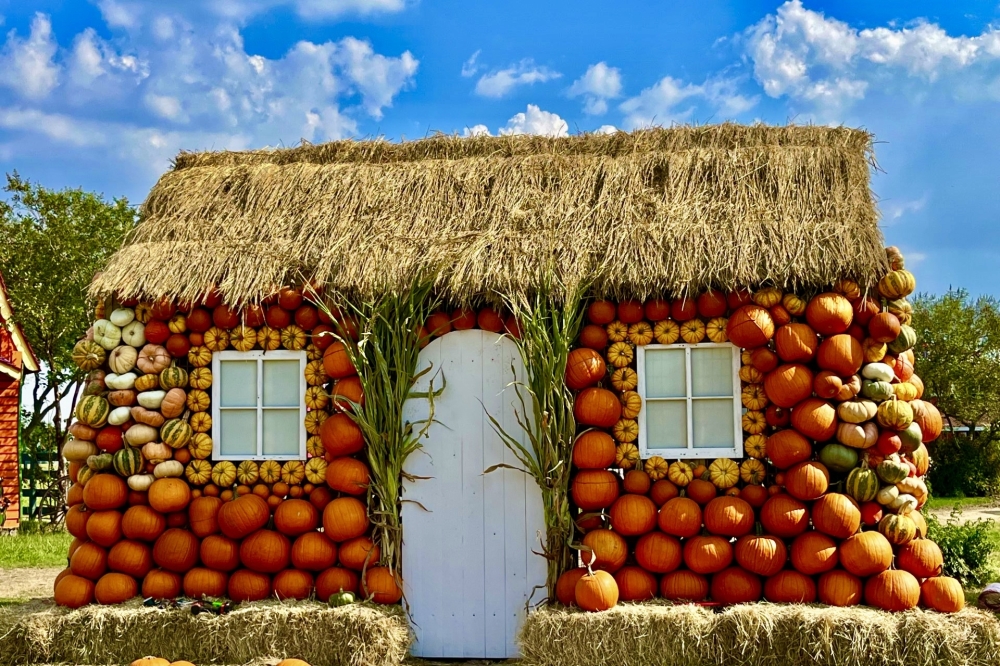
665,211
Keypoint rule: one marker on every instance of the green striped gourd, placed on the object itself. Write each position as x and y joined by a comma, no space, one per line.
173,377
93,410
176,433
894,414
99,462
892,470
905,340
862,483
897,529
897,284
88,355
128,461
877,390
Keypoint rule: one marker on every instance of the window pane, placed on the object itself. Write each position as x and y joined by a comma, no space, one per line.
713,423
666,424
665,373
281,432
238,432
281,383
238,383
712,371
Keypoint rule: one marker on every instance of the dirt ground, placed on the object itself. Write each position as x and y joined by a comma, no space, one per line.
969,513
29,583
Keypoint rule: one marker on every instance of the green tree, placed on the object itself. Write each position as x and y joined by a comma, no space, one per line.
52,244
958,358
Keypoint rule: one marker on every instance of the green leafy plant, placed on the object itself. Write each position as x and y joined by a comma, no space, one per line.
385,355
969,547
548,329
965,466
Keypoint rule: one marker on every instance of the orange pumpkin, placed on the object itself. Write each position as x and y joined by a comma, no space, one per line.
295,516
789,384
341,436
143,523
348,475
337,362
632,515
593,489
761,554
637,482
751,326
74,591
796,343
683,585
836,515
359,553
247,585
597,591
219,553
243,515
115,588
807,480
865,553
829,313
635,584
790,587
735,586
707,554
345,518
201,582
601,312
701,491
925,415
130,557
334,580
347,391
313,551
160,584
681,517
658,552
892,590
176,550
784,516
728,516
842,354
89,561
840,588
663,491
597,407
382,586
169,494
292,584
607,550
921,557
813,553
584,367
942,594
104,527
815,418
566,585
203,515
594,337
265,551
105,491
787,447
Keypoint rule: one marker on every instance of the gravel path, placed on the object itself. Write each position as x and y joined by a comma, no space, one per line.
28,583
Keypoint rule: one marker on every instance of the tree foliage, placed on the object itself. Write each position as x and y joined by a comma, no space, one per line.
958,357
52,244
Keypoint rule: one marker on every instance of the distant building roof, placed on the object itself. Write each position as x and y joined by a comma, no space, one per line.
15,351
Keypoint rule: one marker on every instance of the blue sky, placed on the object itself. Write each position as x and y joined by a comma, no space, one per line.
102,94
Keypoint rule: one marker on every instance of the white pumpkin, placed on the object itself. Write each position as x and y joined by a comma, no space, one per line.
912,485
140,434
134,334
157,452
122,359
878,372
886,495
120,382
140,482
856,411
168,468
78,450
857,436
903,504
119,415
122,317
107,334
151,399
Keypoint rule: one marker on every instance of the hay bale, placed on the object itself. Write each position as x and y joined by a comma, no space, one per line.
356,635
758,635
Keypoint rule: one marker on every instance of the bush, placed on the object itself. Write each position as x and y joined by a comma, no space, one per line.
968,548
965,467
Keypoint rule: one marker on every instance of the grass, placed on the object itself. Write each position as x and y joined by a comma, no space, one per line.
34,550
961,502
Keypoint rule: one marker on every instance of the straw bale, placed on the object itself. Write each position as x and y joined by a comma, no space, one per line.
356,635
658,211
658,633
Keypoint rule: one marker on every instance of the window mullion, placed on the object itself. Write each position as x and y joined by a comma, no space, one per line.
260,409
687,389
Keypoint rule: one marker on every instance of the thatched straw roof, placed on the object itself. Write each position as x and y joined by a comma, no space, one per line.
661,211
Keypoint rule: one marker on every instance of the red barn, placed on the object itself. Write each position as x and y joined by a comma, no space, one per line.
16,359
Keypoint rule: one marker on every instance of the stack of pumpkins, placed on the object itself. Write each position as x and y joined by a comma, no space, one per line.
825,504
485,318
152,513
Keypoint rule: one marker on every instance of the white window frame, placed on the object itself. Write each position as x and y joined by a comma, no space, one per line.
690,452
260,357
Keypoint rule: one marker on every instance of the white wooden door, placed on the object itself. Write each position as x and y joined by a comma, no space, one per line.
468,537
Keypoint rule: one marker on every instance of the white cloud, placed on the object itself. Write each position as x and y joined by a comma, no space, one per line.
61,128
672,100
536,121
165,106
606,129
119,14
470,67
377,77
597,85
27,65
808,56
92,58
476,130
243,10
893,211
500,82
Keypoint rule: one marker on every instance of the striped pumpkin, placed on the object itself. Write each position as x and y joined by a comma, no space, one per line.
200,445
897,529
905,340
224,474
173,377
247,473
200,378
175,433
293,338
293,472
316,470
198,472
128,461
93,410
862,484
897,284
270,471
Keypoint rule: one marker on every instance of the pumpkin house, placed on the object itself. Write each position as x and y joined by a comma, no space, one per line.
16,359
479,374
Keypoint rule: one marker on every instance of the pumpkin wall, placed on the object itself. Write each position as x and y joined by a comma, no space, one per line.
153,514
825,505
